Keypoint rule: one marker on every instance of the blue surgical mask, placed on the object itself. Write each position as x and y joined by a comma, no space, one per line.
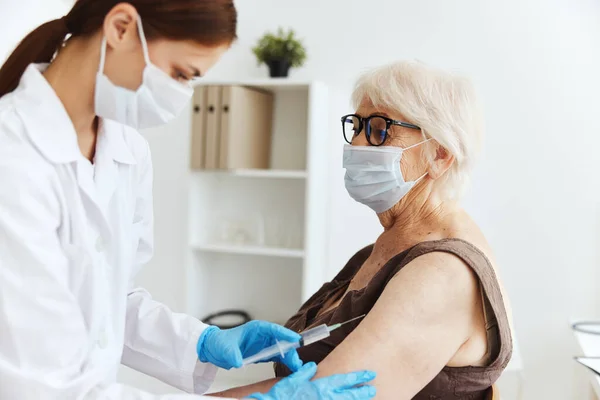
373,175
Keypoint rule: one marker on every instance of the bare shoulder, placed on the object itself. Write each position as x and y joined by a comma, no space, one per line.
467,229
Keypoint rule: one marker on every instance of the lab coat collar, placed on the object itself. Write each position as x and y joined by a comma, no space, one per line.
45,118
111,150
50,127
111,141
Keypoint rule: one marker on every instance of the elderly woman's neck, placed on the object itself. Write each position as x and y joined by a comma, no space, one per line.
418,215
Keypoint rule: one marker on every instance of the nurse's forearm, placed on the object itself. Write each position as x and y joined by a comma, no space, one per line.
243,391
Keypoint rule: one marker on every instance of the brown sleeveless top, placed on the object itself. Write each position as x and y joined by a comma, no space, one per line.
469,383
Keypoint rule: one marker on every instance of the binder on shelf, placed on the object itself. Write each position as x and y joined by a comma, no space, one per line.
246,116
198,128
213,127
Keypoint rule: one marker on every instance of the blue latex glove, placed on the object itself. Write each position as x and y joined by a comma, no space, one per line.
299,386
227,348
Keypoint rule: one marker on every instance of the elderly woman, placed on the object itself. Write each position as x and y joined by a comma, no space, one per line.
436,324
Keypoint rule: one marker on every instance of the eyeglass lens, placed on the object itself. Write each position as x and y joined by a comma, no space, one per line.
375,129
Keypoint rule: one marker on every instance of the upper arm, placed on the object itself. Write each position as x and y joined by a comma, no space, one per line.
419,322
242,392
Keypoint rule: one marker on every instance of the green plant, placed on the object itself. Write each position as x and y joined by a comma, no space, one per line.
280,46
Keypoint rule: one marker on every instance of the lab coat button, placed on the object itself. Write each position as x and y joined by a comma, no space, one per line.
102,340
99,245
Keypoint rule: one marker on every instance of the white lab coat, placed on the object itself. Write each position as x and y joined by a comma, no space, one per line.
72,238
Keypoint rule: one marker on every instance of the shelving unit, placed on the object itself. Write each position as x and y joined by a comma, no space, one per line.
271,269
265,173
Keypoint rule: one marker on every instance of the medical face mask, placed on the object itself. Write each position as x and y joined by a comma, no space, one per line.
373,175
157,101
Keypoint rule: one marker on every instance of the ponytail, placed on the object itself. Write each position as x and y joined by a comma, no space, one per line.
37,47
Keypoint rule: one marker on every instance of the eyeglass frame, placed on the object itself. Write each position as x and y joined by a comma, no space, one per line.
366,122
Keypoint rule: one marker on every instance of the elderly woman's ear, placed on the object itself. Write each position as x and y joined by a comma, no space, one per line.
442,161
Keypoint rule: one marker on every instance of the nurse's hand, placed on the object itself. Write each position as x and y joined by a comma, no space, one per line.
299,386
227,348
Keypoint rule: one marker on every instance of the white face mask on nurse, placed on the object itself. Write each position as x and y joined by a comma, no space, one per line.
162,92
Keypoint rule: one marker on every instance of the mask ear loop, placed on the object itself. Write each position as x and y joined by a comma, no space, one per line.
145,47
143,40
422,176
415,145
102,55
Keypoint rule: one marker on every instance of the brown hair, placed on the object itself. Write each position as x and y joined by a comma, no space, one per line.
209,22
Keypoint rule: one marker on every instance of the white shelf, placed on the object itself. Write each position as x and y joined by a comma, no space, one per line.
261,173
283,206
250,250
265,83
270,173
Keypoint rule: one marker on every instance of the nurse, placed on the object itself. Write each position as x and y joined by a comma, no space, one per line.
76,209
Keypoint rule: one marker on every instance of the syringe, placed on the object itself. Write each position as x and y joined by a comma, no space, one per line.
309,336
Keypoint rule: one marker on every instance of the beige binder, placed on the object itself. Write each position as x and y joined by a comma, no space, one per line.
213,127
198,128
246,123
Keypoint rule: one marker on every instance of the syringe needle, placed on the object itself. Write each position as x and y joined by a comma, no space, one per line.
335,326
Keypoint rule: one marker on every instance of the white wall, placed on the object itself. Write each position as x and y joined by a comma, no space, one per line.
19,17
535,192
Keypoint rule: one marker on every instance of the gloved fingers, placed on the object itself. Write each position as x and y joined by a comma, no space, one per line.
252,344
292,360
206,342
232,357
304,374
347,381
366,392
275,332
236,359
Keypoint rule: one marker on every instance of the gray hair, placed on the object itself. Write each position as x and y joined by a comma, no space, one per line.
443,104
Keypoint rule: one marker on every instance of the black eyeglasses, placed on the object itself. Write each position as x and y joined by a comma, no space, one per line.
376,127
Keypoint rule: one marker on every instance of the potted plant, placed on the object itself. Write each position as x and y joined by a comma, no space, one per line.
279,52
